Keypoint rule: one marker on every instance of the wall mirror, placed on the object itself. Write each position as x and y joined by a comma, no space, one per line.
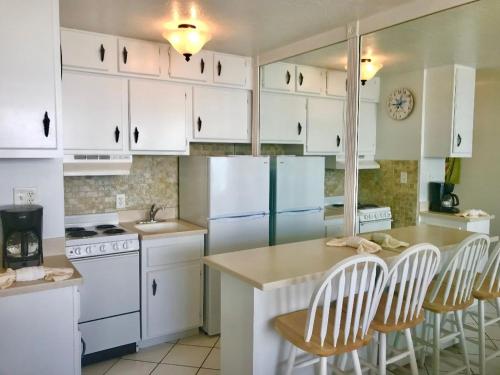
428,120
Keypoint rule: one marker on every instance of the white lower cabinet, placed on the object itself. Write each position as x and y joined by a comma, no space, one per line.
172,284
221,115
325,126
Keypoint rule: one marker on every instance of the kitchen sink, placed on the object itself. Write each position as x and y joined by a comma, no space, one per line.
165,226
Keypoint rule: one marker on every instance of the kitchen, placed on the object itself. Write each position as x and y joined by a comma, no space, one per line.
120,133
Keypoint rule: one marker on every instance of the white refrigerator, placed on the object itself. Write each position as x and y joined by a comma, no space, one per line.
297,198
230,197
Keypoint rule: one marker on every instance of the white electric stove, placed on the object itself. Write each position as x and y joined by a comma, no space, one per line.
372,218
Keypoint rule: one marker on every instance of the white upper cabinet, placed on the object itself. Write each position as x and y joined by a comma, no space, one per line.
367,130
94,112
370,91
198,68
159,116
449,111
278,76
282,118
138,57
230,69
309,79
336,83
29,77
325,126
221,115
86,50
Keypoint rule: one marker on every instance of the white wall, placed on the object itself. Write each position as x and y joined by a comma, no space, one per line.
44,174
399,140
480,180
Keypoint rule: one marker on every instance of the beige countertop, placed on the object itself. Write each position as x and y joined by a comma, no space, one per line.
274,267
184,228
56,261
334,212
448,216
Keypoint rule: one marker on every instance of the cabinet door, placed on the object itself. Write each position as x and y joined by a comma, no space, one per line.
173,299
198,68
309,79
336,83
27,79
278,76
282,118
81,49
325,126
463,116
94,111
370,91
367,131
137,56
221,114
230,69
158,116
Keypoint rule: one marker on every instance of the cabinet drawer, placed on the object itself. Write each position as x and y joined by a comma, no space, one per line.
198,68
230,70
278,76
174,250
309,80
139,57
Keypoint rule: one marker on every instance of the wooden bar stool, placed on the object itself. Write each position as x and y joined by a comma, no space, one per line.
451,292
400,307
339,326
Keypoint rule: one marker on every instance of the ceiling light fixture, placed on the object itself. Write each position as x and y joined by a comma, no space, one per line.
368,70
187,39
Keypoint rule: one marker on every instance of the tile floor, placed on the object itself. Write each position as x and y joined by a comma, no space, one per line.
196,355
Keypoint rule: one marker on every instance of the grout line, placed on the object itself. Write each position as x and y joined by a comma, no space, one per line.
208,355
117,360
169,350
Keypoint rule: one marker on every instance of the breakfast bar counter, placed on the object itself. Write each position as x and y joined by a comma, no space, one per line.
260,284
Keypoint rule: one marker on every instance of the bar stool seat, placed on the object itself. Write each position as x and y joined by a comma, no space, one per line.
291,327
484,292
391,325
439,305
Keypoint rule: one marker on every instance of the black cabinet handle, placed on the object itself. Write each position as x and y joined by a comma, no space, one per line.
459,140
154,287
102,52
60,51
338,140
219,68
299,128
46,124
117,134
136,135
288,77
301,79
202,66
84,346
199,123
125,55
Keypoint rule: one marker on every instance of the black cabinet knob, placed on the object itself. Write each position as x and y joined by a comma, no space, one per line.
199,124
202,66
459,140
125,55
338,140
154,287
117,134
301,79
46,124
219,68
136,135
288,77
102,52
299,128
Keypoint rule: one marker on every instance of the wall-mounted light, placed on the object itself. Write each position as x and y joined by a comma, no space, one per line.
368,70
187,39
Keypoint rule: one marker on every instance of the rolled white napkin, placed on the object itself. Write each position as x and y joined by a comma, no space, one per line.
472,213
362,245
34,273
387,241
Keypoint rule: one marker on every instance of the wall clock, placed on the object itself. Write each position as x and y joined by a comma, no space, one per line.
400,104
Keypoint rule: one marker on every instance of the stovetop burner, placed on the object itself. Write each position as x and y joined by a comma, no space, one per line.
105,226
114,231
82,234
74,229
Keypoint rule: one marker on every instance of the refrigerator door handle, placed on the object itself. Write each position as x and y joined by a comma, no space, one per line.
241,218
301,212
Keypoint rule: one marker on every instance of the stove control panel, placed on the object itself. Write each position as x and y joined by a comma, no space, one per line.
374,214
104,248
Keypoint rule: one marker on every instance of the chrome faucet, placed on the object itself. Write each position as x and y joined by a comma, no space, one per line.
153,211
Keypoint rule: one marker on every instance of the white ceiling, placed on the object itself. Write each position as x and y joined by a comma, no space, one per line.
246,27
465,35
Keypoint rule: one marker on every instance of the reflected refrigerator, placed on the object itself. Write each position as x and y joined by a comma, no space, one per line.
230,197
297,198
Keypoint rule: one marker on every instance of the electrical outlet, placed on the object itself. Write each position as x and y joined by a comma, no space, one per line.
404,177
25,195
120,201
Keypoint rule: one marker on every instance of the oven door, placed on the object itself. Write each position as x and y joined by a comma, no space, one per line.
110,285
374,226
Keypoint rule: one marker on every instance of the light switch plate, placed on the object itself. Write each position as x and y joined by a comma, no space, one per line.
25,195
120,201
404,177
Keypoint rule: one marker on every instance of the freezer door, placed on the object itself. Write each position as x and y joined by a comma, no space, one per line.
299,183
299,226
226,235
238,185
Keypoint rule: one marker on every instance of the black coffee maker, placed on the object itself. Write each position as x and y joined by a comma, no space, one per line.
21,236
441,197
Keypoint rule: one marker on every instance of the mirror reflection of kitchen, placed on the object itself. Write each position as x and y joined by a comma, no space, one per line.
434,122
302,113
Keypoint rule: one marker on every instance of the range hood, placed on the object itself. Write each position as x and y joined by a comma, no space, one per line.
97,165
364,162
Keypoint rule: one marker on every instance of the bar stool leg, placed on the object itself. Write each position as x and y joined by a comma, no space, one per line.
356,364
374,351
382,353
460,326
482,339
411,349
323,362
425,337
291,360
436,344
